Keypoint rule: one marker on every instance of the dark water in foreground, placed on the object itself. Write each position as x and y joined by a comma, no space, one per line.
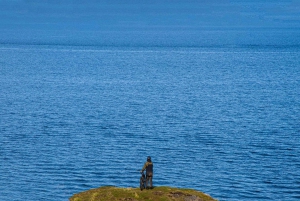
224,121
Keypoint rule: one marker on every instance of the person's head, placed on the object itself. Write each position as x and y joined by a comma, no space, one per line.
149,158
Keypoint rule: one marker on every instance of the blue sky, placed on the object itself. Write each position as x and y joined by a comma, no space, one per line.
35,21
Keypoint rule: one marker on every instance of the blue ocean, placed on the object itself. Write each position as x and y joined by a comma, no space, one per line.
209,89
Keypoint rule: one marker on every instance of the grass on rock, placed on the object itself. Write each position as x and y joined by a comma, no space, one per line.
162,193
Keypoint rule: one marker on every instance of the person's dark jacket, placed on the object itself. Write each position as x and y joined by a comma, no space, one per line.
148,166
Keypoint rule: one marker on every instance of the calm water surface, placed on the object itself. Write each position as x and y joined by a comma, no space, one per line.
224,121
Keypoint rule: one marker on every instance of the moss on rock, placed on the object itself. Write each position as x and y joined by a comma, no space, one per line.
162,193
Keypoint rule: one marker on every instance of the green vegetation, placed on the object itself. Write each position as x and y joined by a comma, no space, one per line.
162,193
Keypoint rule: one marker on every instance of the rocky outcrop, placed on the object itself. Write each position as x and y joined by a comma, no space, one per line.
163,193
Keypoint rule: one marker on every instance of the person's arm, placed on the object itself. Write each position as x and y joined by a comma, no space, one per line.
144,167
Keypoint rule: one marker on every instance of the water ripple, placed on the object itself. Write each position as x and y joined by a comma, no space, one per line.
223,122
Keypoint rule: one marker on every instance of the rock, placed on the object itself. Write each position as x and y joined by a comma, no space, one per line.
162,193
192,198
